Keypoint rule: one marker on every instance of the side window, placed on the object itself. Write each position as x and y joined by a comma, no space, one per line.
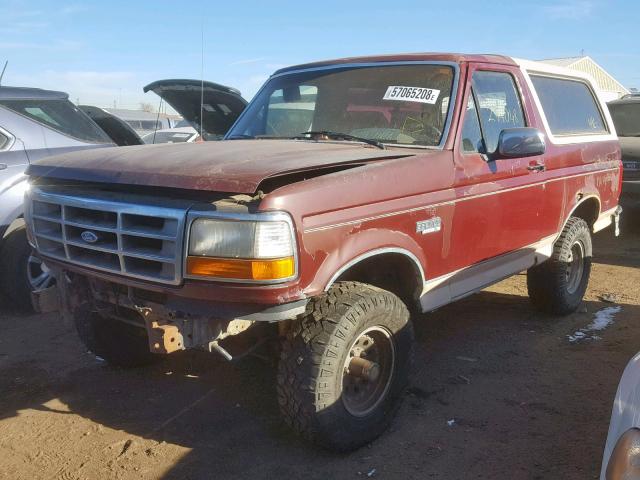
569,106
290,111
4,141
60,115
499,105
471,133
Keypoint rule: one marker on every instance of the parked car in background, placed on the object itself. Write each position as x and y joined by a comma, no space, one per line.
626,118
221,106
389,184
34,123
142,122
621,459
118,130
172,135
182,123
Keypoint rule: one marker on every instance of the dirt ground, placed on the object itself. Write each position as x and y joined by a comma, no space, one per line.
498,392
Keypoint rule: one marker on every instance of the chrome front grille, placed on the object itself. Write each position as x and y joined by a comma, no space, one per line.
124,234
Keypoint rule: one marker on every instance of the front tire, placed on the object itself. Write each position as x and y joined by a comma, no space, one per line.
344,366
558,285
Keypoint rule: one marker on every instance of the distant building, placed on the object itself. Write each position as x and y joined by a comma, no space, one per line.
611,88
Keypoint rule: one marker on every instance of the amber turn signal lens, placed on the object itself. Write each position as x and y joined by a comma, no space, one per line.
241,269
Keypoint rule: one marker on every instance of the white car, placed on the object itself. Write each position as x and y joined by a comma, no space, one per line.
622,451
172,135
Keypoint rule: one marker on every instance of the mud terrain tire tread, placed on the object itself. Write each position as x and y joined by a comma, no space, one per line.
308,391
547,283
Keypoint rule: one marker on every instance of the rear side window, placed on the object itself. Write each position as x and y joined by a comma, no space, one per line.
569,106
60,115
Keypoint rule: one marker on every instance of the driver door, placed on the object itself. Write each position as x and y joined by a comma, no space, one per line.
498,200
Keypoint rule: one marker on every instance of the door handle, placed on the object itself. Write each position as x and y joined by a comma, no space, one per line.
536,167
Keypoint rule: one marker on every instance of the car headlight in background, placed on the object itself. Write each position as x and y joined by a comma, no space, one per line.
260,250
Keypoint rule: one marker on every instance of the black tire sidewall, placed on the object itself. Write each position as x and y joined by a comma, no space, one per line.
14,278
547,283
578,231
575,298
338,418
313,358
118,343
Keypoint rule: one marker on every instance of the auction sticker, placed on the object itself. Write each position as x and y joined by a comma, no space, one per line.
411,94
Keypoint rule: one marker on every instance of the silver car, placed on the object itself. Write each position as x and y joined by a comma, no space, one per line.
37,123
34,123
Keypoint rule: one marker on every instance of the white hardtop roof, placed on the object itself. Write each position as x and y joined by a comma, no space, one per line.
562,62
530,67
541,67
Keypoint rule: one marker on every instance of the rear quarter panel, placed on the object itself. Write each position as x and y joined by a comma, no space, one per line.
577,167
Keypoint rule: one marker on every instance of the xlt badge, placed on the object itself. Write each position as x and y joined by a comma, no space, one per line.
429,226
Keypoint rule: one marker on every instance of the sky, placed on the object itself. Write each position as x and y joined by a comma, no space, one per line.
104,52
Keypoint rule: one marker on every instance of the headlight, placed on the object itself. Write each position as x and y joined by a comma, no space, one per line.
262,250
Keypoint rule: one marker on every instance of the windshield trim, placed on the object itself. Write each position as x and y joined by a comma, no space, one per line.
452,98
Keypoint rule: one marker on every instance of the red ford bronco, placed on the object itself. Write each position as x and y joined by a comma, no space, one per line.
347,194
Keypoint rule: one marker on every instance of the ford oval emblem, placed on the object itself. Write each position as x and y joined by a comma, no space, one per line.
89,237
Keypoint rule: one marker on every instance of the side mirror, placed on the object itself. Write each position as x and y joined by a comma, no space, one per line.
520,142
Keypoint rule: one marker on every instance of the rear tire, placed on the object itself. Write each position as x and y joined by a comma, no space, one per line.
557,286
321,393
118,343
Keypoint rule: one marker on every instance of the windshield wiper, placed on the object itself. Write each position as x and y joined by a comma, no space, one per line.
345,136
245,136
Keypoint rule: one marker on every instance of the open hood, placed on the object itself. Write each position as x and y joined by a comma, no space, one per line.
117,129
237,166
221,105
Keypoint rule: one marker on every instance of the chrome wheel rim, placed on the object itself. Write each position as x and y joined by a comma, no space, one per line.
368,371
575,267
38,274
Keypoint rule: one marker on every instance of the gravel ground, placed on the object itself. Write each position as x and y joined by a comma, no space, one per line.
498,392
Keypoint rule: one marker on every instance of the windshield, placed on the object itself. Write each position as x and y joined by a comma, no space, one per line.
395,104
60,115
626,118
